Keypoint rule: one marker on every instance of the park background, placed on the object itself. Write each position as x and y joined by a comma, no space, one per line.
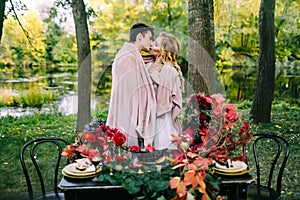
38,68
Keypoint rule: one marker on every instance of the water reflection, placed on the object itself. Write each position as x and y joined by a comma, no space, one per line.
69,104
16,112
66,106
61,79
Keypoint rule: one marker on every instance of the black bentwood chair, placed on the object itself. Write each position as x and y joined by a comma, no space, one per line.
281,149
52,148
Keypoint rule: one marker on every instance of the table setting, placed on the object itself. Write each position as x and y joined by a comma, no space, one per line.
231,168
81,169
219,134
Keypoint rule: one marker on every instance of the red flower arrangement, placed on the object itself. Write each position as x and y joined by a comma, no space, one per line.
213,131
96,136
108,141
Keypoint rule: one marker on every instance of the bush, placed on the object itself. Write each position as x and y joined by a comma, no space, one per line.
35,98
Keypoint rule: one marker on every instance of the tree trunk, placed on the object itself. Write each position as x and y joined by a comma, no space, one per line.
263,96
84,64
2,9
202,69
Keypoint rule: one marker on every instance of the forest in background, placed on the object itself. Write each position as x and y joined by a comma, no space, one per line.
236,58
48,43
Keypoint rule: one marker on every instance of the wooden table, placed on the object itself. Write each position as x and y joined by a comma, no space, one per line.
232,187
235,187
86,189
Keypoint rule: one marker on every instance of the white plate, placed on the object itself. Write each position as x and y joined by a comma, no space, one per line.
81,176
237,166
71,170
232,173
158,161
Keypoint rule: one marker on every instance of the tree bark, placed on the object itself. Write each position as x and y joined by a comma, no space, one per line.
84,64
202,69
264,91
2,10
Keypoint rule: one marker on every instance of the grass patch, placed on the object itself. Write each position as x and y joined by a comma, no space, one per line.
15,132
6,98
33,97
285,122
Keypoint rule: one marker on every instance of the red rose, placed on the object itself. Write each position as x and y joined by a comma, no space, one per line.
135,149
89,137
103,127
245,127
119,159
202,116
109,133
150,148
231,114
119,139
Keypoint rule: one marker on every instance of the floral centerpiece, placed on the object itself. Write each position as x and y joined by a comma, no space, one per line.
110,142
95,136
213,131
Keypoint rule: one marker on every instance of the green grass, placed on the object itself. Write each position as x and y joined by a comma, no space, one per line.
15,132
285,122
28,98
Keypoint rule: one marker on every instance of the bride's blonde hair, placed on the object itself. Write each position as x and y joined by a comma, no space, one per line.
170,52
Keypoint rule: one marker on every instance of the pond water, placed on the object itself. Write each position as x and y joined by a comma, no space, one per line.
60,79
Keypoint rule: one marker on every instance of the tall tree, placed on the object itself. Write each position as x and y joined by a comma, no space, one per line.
263,96
2,9
201,54
84,64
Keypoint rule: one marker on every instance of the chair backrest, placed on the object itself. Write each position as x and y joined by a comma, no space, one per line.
281,151
59,144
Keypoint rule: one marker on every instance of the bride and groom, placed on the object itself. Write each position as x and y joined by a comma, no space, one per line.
147,85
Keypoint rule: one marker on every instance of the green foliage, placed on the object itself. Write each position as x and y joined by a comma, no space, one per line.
213,183
101,113
60,45
35,98
65,50
30,98
22,49
52,33
237,40
151,184
111,27
287,30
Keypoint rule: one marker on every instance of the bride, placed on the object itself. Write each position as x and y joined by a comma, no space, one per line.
168,84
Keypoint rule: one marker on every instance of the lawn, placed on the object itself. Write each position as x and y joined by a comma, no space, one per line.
15,132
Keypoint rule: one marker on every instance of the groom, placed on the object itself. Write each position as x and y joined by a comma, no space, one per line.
132,101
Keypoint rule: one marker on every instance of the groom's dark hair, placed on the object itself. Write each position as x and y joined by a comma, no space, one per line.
139,28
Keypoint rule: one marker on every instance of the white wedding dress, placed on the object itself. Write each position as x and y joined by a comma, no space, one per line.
163,130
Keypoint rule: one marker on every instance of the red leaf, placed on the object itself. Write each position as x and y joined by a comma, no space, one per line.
174,182
189,176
